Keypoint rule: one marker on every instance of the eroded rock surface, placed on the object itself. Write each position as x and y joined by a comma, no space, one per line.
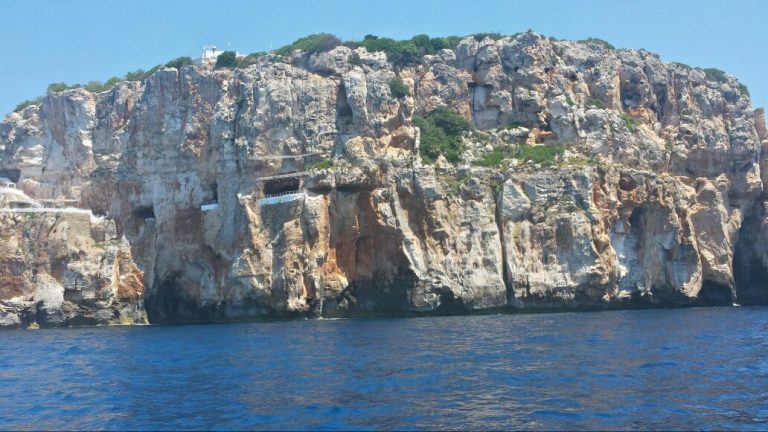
66,267
658,198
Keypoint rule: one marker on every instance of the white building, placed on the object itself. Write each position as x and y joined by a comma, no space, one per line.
211,53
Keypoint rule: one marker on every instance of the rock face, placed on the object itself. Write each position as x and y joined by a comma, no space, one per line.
206,180
66,267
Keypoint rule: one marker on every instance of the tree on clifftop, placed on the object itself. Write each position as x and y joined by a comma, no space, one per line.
227,59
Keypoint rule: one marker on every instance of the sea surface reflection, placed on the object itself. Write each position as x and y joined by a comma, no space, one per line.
700,368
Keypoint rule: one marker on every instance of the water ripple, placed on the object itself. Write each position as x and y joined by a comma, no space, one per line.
651,369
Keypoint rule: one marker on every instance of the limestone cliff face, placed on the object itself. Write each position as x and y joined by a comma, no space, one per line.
66,268
658,198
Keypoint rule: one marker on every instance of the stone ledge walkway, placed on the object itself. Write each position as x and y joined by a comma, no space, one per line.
44,210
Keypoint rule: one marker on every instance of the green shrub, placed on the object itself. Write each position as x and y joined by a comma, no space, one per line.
251,59
99,87
429,45
179,62
441,133
714,74
313,43
424,43
398,88
744,90
494,35
406,52
94,86
629,122
450,121
112,82
595,103
227,59
492,159
355,59
323,164
60,87
454,184
28,103
569,100
137,75
597,41
432,139
540,154
153,70
140,74
682,65
398,52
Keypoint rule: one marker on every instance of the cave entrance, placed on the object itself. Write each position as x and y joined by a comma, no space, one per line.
144,212
215,192
715,294
283,186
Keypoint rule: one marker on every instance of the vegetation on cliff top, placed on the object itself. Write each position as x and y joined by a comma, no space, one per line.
227,59
405,52
313,43
179,62
98,86
597,41
28,103
251,59
399,52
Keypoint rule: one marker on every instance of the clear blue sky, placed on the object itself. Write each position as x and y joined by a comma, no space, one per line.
74,41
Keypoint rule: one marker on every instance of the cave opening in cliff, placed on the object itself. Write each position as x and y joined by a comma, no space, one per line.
281,186
215,192
715,293
449,304
144,212
749,273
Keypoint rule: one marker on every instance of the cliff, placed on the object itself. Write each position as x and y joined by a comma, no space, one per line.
301,186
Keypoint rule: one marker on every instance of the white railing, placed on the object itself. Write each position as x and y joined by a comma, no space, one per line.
277,194
282,198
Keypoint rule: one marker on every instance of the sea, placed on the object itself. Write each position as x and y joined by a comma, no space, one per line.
696,368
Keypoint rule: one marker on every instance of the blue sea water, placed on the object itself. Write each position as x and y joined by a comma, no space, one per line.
700,368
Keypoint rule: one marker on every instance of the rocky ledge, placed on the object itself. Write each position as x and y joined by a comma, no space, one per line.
498,174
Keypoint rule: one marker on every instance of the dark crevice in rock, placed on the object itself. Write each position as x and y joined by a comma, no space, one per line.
282,186
450,305
713,293
11,174
500,227
749,271
144,212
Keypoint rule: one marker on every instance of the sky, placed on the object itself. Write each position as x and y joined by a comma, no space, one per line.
75,41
